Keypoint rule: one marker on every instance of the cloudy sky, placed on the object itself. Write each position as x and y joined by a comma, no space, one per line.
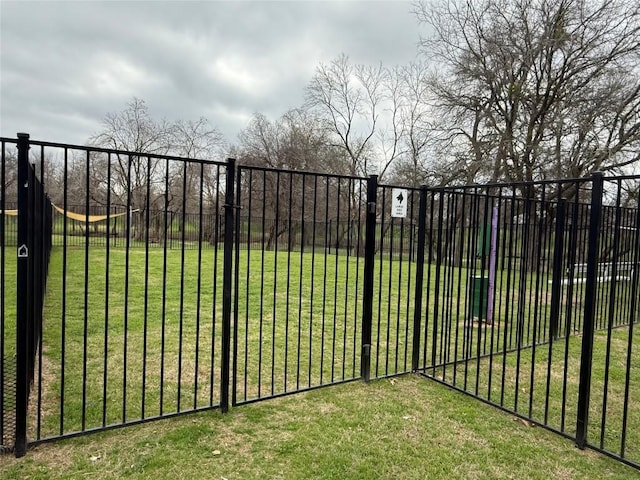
64,65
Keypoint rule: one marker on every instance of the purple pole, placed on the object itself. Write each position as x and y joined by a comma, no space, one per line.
492,265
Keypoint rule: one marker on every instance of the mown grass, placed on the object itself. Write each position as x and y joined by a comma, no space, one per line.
145,341
542,383
139,334
406,427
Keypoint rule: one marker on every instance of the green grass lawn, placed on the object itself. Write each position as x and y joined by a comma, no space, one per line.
156,349
406,427
534,388
147,342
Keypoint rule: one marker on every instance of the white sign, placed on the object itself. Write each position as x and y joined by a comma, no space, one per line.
399,200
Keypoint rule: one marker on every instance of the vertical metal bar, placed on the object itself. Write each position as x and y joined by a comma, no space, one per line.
573,238
127,261
357,279
511,276
417,309
145,314
558,256
288,288
536,306
411,258
214,306
163,313
632,319
274,318
380,277
262,250
234,397
335,287
389,281
327,249
227,280
63,293
494,294
522,291
589,311
85,319
369,259
399,295
460,281
41,280
183,225
448,306
313,277
198,286
611,312
300,278
105,351
482,317
436,294
22,300
346,280
32,249
236,281
428,289
3,260
556,292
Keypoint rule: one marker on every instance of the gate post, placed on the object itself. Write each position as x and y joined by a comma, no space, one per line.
367,295
226,282
22,306
417,310
589,310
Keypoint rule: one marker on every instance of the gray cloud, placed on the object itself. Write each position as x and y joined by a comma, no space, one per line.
64,65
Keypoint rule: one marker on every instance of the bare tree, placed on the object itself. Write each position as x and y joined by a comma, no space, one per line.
293,142
132,130
145,183
195,185
414,166
532,89
360,106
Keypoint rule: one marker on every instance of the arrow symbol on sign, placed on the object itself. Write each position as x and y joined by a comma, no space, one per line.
400,198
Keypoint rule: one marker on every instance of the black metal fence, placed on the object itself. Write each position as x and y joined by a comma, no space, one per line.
533,310
177,285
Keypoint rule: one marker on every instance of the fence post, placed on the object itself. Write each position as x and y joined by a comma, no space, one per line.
589,311
417,310
557,268
227,281
369,259
22,306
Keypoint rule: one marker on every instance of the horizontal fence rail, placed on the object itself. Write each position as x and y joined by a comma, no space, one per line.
158,285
